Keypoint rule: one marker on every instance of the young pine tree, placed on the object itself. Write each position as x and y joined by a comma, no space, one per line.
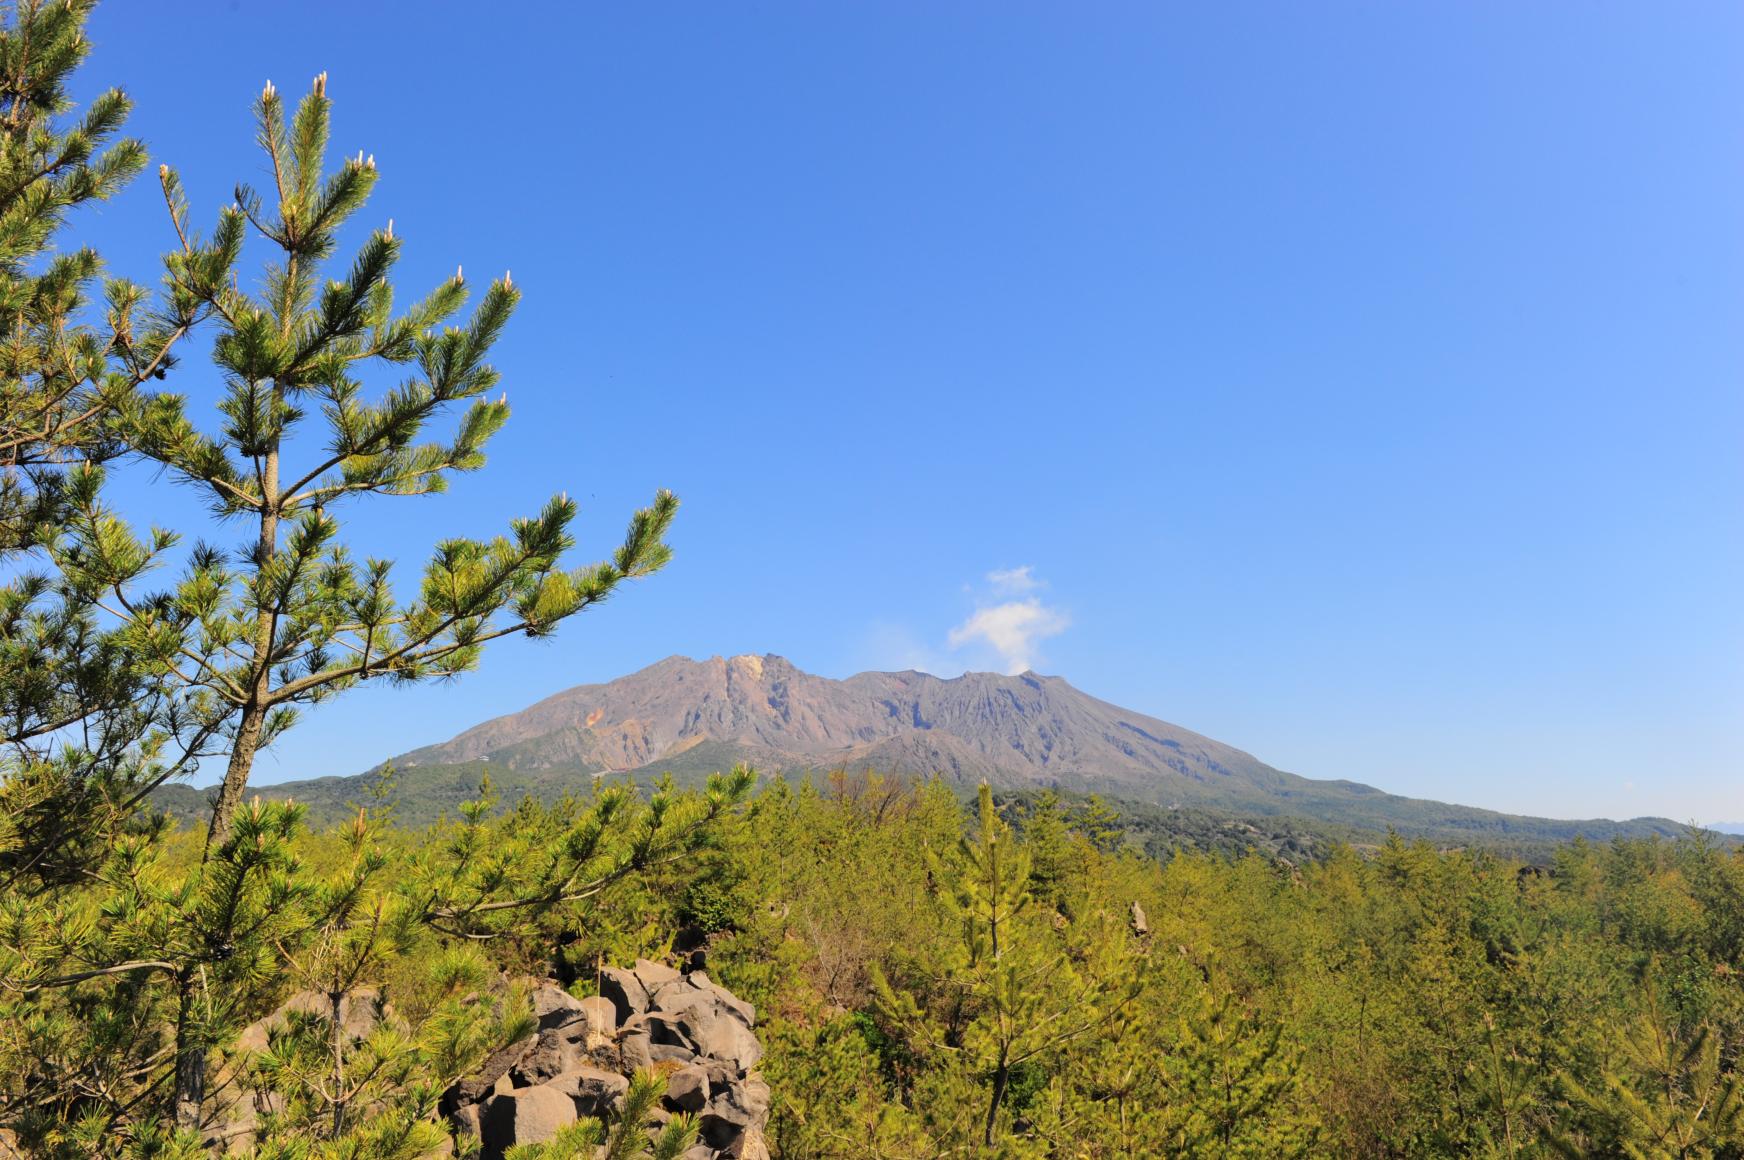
1670,1095
1228,1084
1024,995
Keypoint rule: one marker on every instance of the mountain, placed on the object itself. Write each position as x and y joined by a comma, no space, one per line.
1728,828
1022,733
1014,731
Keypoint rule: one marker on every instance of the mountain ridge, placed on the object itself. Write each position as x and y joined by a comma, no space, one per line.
1023,733
1027,727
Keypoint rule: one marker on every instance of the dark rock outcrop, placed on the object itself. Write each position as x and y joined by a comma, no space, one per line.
578,1063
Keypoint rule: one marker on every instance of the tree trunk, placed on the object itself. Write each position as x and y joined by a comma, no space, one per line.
190,1057
1001,1076
249,729
337,1001
247,744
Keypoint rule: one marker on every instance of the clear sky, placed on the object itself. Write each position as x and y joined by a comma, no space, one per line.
1358,384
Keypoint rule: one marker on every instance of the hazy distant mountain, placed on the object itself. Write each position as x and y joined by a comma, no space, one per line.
1029,731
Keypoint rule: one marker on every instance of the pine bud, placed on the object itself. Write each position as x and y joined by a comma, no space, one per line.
458,276
163,173
321,85
390,230
267,93
507,281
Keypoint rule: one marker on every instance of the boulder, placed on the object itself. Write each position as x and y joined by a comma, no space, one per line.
464,1120
717,1033
624,991
720,1075
596,1092
550,1056
694,993
742,1104
687,1089
702,982
361,1012
752,1146
654,975
235,1109
734,1110
483,1082
664,1031
524,1116
554,1007
601,1015
635,1048
630,990
237,1119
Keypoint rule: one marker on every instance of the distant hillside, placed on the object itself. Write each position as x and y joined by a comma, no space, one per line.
1021,733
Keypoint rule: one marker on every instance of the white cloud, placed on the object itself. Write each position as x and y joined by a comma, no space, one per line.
1014,581
1011,629
1009,622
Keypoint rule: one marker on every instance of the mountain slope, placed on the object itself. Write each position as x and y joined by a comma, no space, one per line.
1025,732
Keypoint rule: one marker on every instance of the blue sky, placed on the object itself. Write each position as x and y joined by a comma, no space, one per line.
1358,384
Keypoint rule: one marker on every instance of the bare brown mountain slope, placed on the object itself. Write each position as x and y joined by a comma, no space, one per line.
1015,731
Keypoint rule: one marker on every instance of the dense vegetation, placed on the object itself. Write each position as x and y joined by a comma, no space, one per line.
1028,977
1406,1002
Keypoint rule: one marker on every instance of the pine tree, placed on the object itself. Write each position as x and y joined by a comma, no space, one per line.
111,990
294,618
1227,1085
1024,995
75,705
350,934
222,661
1504,1083
1670,1094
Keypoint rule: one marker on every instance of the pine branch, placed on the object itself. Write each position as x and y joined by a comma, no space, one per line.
98,973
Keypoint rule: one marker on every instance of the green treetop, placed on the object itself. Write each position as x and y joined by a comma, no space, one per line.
294,617
1025,995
